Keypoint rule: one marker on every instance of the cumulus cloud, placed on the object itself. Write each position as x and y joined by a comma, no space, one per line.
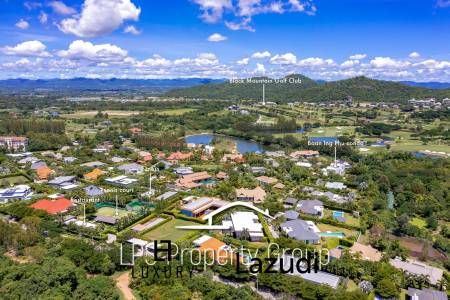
315,62
238,14
100,17
350,63
433,64
29,48
260,69
358,56
284,59
414,55
22,24
60,8
259,55
387,62
216,37
155,61
243,61
85,50
131,29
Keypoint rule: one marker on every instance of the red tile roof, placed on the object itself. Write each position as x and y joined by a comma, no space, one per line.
53,206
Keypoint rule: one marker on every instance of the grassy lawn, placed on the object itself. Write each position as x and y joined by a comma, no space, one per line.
351,286
349,219
416,145
9,181
332,131
167,231
93,113
331,242
327,227
175,112
418,222
111,212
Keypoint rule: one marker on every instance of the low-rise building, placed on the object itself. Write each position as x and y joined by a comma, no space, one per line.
14,142
122,181
266,180
245,225
418,268
197,206
18,192
63,182
132,168
256,195
311,207
367,252
301,230
194,180
425,294
53,206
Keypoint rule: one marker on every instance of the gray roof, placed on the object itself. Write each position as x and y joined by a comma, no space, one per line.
290,200
93,190
93,164
38,164
62,179
299,230
291,215
166,195
133,167
105,219
426,294
307,206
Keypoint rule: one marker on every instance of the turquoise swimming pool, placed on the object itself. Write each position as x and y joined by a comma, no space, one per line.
338,214
332,234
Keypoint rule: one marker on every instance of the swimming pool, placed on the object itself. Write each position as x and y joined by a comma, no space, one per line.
337,214
332,234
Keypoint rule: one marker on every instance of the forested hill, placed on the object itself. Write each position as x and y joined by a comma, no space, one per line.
359,88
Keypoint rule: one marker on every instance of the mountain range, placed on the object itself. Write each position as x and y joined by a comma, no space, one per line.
358,88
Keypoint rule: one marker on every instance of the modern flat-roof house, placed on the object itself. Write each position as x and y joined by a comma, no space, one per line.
289,201
183,171
122,181
64,182
132,168
311,207
301,231
198,206
13,142
194,180
166,195
256,195
93,164
317,278
245,224
425,294
419,268
18,192
53,206
258,170
339,167
266,180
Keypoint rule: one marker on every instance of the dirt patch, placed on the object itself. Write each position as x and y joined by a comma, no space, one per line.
415,247
122,283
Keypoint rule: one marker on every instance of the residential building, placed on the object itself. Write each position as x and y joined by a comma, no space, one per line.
53,206
177,156
236,158
93,164
256,195
301,230
338,167
18,192
258,170
94,174
266,180
291,215
183,171
69,159
311,207
122,181
425,294
43,173
304,154
418,268
14,142
93,191
63,182
219,251
194,180
245,224
38,164
132,168
335,185
197,206
289,201
166,195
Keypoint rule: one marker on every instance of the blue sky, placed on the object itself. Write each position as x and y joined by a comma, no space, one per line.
326,39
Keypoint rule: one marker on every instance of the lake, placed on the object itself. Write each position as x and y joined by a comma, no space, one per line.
243,146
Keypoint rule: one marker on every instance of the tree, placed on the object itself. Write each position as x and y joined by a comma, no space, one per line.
387,289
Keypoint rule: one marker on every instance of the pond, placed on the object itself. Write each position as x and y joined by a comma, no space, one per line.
323,139
243,146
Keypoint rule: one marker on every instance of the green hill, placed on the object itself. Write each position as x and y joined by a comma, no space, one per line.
285,90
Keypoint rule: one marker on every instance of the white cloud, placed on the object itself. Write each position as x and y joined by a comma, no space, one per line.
358,56
88,51
22,63
22,24
60,8
284,59
350,63
29,48
238,15
31,5
315,62
43,18
155,61
414,55
260,69
259,55
100,17
433,64
387,62
131,29
243,61
216,37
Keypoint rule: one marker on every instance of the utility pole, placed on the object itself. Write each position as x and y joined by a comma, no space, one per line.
117,204
264,95
84,213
